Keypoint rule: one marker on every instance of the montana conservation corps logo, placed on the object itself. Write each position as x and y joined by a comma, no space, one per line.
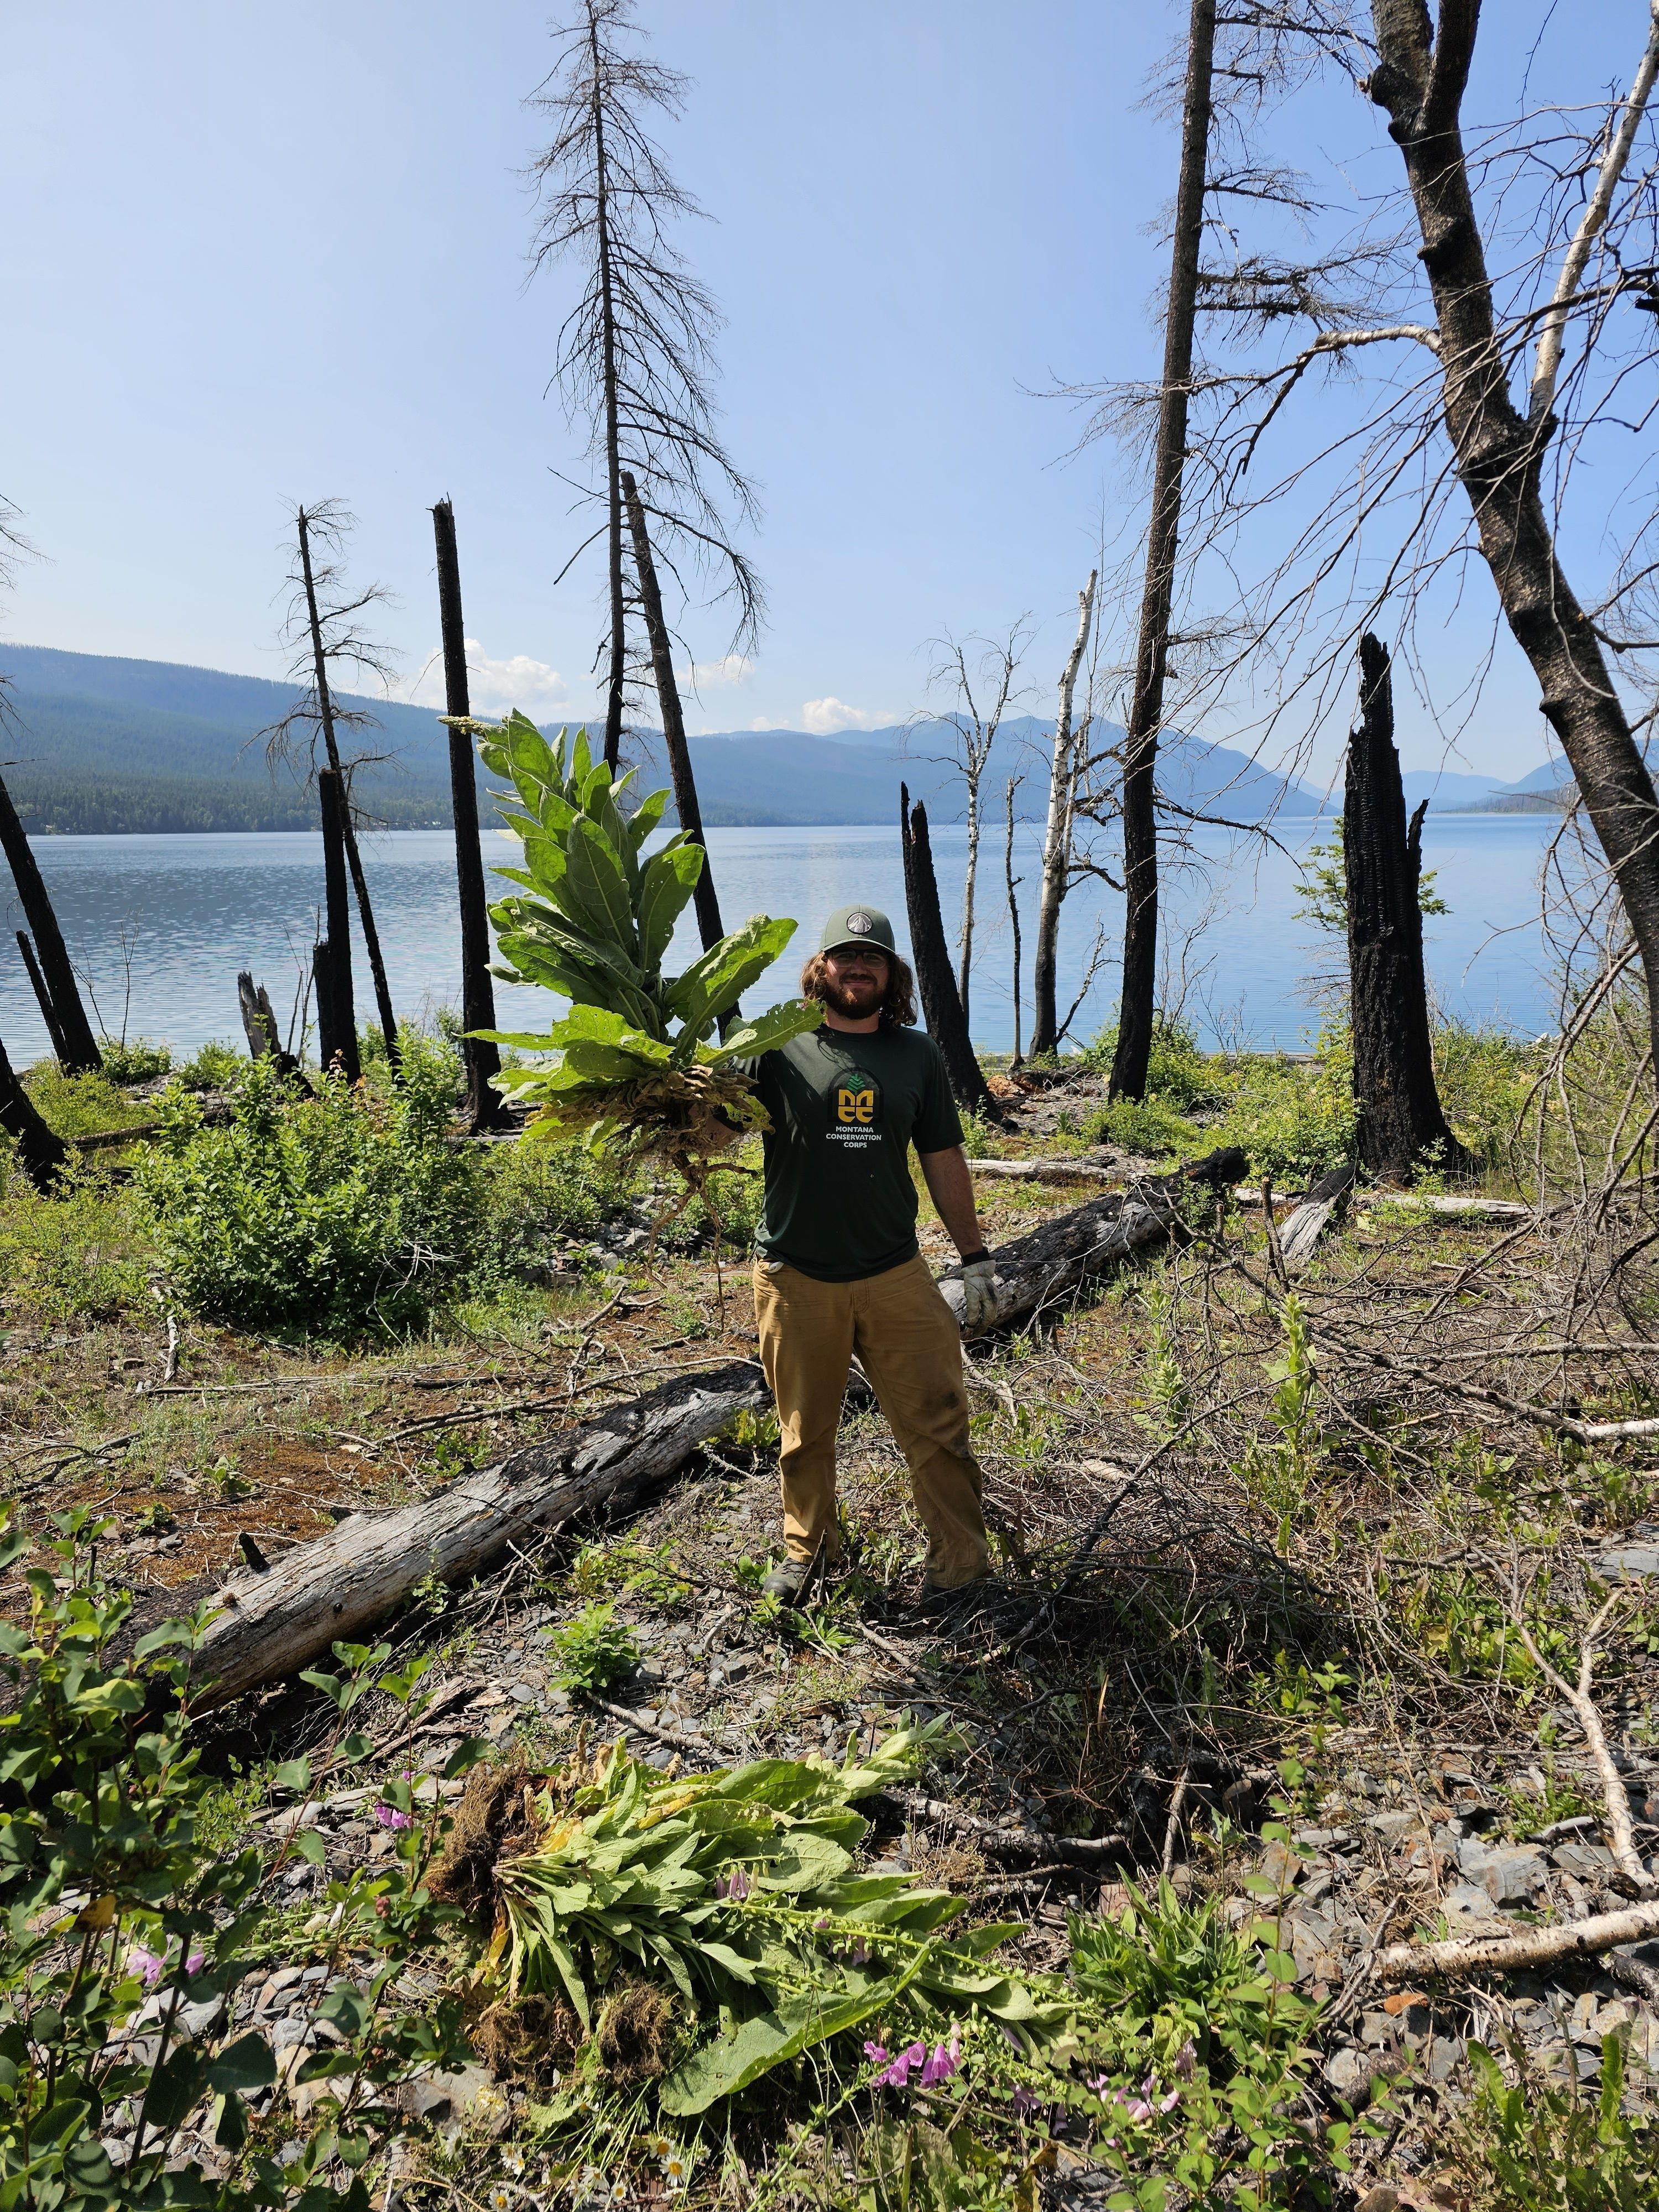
855,1103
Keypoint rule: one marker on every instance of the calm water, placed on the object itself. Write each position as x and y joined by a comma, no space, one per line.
162,924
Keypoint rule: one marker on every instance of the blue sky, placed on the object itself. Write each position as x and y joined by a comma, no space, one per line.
260,255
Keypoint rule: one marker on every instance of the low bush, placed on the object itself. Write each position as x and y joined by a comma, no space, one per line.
134,1060
333,1215
76,1105
593,1649
215,1068
81,1254
1177,1070
1151,1128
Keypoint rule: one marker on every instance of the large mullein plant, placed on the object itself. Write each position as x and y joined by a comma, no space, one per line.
635,1069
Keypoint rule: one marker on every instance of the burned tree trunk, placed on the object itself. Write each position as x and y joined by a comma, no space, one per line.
1057,838
78,1054
1137,1006
1422,72
709,926
40,1149
55,1036
337,1012
340,938
485,1107
1400,1119
258,1018
941,1004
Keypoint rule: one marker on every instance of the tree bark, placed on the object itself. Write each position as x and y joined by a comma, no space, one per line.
970,877
1400,1120
613,707
1499,456
40,1149
354,860
80,1055
485,1107
1057,838
1137,1008
337,1010
709,926
941,1008
55,1036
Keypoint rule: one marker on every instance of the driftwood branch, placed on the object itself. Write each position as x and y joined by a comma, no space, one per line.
1304,1228
1621,1836
1058,1172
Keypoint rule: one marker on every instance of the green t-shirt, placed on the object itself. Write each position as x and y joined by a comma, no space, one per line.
845,1108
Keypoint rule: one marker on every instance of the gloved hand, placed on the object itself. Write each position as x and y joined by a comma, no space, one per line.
979,1294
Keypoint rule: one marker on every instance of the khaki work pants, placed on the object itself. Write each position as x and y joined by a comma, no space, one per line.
911,1346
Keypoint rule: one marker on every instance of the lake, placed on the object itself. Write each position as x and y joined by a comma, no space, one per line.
162,925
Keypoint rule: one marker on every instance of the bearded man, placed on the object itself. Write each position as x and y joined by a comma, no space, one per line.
838,1270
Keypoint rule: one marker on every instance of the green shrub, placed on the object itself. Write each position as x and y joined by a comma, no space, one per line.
593,1649
1294,1120
1484,1077
1538,2148
539,1191
332,1214
136,1061
76,1105
216,1068
80,1254
1151,1128
1177,1073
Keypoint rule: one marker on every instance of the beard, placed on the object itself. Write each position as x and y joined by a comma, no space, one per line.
856,1000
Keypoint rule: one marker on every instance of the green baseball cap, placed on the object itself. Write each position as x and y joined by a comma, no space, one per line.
857,925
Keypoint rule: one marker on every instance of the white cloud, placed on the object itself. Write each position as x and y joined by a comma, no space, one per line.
498,685
710,674
823,717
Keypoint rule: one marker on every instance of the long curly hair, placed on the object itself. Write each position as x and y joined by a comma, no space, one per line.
898,1007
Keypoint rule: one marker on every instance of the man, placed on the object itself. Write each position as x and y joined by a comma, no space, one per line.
838,1269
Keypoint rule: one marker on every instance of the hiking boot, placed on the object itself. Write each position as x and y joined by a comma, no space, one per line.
961,1602
789,1579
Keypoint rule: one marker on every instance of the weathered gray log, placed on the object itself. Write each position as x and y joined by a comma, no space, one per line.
338,1586
1040,1269
1307,1225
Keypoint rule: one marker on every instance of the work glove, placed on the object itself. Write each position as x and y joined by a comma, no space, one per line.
979,1294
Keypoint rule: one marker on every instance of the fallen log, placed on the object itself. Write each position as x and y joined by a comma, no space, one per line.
1041,1269
335,1587
1303,1229
1497,1209
1518,1953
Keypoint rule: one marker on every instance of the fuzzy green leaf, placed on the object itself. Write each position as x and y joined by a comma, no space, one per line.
668,880
766,1032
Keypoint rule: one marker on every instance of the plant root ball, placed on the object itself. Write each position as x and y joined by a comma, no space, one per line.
636,2032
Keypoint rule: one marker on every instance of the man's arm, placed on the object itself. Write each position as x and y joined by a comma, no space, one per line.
951,1189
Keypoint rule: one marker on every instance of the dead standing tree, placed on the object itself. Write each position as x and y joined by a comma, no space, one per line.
1138,1003
323,630
1402,1127
973,729
1499,448
1057,833
941,1005
635,354
704,899
485,1108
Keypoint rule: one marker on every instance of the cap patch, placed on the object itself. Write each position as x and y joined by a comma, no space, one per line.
859,923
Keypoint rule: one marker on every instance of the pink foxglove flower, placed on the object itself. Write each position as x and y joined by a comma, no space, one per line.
897,2075
392,1816
194,1963
735,1885
944,2062
145,1964
876,2053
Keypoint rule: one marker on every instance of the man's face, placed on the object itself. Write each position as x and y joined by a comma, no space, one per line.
856,979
